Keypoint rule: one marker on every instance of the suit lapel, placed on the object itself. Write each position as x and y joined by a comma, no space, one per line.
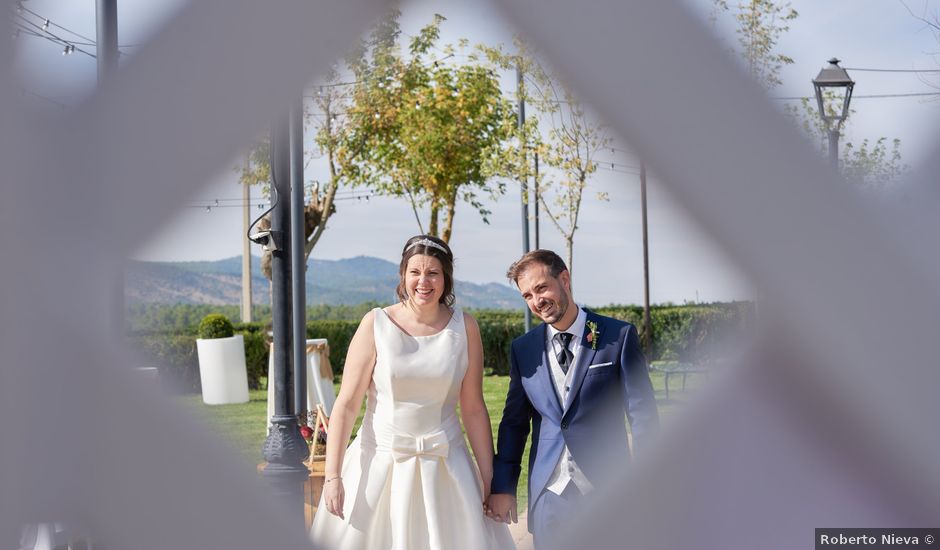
585,358
544,370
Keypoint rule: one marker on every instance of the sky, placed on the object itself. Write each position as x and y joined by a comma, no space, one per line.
608,264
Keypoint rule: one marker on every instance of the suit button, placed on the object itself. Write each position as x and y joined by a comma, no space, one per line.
564,425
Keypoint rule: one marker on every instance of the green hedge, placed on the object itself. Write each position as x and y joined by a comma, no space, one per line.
694,333
177,361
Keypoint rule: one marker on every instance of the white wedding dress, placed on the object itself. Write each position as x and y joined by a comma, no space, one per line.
409,480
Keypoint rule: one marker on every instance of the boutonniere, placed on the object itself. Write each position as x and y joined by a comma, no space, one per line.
592,336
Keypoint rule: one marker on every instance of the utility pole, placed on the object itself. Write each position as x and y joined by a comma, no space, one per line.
107,38
520,93
107,56
246,247
535,205
647,325
284,449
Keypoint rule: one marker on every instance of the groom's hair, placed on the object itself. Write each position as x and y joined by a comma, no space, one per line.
541,256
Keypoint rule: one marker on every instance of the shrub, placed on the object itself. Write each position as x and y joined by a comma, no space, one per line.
256,357
339,334
175,358
688,333
215,325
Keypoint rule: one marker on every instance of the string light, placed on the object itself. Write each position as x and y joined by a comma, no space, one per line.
45,25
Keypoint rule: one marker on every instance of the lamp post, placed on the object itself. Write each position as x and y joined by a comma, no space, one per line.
833,78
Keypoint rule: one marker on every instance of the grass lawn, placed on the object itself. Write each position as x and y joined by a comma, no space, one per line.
244,425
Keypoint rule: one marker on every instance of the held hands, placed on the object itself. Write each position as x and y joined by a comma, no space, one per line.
334,495
502,507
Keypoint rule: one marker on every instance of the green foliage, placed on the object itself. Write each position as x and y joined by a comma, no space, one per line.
871,164
184,318
339,334
175,357
421,126
760,24
215,325
689,333
256,356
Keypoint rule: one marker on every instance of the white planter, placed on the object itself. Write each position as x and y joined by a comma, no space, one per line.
222,370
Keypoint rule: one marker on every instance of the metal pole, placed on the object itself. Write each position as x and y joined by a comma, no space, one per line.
647,325
107,56
523,179
298,239
834,148
284,449
246,248
107,38
535,206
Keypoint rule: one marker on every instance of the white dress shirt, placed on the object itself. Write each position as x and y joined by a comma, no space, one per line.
566,470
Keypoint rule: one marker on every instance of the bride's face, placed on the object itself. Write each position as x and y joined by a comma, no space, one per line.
424,279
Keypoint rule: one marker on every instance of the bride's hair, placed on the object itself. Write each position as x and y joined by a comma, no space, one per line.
436,248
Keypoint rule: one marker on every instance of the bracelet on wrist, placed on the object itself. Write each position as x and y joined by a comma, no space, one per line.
334,478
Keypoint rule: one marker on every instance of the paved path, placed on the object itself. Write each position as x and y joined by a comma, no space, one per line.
520,533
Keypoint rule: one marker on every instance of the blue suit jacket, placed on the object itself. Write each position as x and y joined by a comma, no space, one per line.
591,423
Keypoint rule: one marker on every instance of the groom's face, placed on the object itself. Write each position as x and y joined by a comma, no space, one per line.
548,297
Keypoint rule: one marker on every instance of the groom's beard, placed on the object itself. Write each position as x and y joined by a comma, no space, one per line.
555,312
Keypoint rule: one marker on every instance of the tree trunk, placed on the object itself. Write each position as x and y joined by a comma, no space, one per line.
432,226
569,244
449,223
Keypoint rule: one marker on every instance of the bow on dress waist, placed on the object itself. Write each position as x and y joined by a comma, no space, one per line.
435,444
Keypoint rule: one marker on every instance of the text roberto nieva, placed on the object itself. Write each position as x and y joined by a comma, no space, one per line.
887,538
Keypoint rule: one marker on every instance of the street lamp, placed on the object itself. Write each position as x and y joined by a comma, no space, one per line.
833,78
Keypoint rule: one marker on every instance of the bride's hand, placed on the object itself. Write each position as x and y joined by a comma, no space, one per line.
334,495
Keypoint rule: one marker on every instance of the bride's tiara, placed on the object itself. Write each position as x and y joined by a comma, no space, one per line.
428,242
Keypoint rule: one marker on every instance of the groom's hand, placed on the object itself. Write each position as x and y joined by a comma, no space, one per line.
502,507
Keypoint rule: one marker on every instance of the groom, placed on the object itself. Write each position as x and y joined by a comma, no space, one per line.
573,377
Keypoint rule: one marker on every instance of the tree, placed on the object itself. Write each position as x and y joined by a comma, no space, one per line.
320,201
568,146
421,127
760,24
874,164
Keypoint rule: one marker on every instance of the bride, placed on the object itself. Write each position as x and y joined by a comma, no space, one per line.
407,481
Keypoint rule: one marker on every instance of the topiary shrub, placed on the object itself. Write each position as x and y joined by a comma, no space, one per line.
215,325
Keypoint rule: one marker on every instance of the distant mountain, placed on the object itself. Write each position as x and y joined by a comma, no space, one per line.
350,281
